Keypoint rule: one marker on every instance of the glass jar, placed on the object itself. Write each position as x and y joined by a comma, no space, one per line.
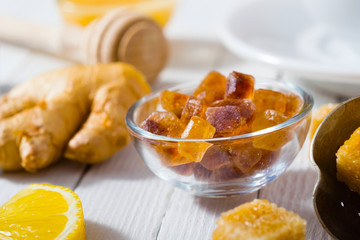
84,11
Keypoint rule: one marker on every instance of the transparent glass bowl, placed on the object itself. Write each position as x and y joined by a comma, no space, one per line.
246,161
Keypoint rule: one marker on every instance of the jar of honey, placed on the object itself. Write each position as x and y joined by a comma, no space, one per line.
84,11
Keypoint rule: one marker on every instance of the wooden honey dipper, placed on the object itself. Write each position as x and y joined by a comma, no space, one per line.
120,35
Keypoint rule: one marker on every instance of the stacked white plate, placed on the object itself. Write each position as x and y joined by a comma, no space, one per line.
281,33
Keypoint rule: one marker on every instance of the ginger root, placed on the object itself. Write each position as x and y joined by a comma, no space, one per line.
77,112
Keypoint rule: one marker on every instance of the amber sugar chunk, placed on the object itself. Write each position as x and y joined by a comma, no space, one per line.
230,120
259,219
348,162
268,159
173,101
319,115
224,173
163,123
245,156
268,99
239,85
267,119
215,157
275,140
196,128
184,169
293,104
212,88
170,156
193,107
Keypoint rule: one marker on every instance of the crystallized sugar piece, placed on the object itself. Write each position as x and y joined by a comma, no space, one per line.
239,85
230,120
197,128
259,219
293,104
163,123
192,108
274,140
268,99
173,101
212,88
215,157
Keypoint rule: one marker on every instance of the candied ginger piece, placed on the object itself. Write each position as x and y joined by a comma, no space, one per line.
348,162
173,101
192,108
163,123
196,128
245,156
319,115
293,104
212,88
230,120
259,219
215,157
268,99
239,85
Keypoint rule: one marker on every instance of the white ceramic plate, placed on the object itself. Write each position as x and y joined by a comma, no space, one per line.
281,33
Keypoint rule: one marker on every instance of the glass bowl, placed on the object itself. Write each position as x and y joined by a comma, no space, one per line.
231,165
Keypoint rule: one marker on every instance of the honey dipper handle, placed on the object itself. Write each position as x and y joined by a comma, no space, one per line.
44,38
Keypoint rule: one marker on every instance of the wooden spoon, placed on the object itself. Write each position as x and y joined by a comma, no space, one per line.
336,206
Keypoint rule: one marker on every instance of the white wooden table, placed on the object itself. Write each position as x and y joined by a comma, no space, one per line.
122,199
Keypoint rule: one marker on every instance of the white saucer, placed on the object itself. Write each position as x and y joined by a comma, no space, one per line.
279,32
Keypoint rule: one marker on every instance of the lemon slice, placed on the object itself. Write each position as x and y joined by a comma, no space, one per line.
42,211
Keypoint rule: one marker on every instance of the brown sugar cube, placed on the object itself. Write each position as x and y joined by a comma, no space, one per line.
230,120
268,99
173,101
275,140
193,107
239,85
212,88
319,115
348,162
196,128
293,104
184,169
163,123
215,157
259,219
245,156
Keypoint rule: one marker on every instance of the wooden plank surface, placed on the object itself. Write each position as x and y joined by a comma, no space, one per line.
122,199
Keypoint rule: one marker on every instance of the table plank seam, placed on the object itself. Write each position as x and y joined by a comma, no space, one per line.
168,202
82,175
